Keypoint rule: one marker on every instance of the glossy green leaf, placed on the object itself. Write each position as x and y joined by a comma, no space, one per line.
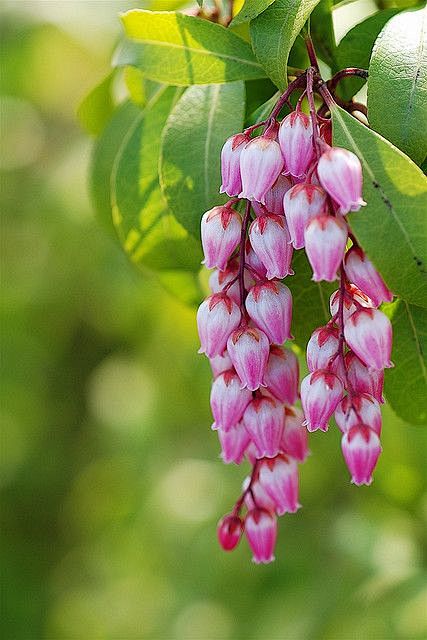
406,383
97,107
263,111
397,84
355,49
198,126
149,233
103,156
274,32
392,228
183,50
322,33
250,10
257,93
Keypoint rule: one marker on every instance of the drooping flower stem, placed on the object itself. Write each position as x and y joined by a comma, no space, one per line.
241,273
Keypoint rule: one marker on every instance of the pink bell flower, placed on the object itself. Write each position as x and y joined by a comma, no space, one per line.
325,238
230,164
322,348
220,363
361,448
261,163
218,281
363,381
321,392
257,496
295,435
358,408
296,143
279,477
248,349
302,203
274,196
360,270
282,374
264,421
217,317
270,240
261,532
228,400
353,296
340,174
252,261
233,443
220,231
269,305
229,530
368,333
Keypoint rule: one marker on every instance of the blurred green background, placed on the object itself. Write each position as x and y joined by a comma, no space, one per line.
111,480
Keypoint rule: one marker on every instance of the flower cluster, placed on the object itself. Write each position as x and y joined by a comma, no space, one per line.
296,190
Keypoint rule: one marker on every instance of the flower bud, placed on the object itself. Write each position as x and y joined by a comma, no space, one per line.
363,381
295,435
302,203
340,174
296,143
220,363
270,240
261,532
321,392
368,333
218,280
358,408
269,305
233,443
228,400
282,374
248,349
230,529
360,270
352,296
321,348
220,230
361,448
274,196
230,164
264,421
325,238
217,317
261,163
279,477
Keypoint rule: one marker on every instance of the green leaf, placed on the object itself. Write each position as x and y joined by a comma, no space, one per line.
406,383
263,111
194,134
103,156
97,107
322,33
392,228
257,93
274,32
184,50
250,10
355,49
397,84
149,233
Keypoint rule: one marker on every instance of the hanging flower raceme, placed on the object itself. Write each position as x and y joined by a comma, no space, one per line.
296,190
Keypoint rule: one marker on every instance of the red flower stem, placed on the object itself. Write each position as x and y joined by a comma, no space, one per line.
340,319
313,115
255,126
248,489
311,53
241,273
300,81
346,73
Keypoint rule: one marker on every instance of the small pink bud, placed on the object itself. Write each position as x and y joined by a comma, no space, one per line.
269,305
296,143
270,240
368,333
228,400
220,230
220,363
264,420
340,174
230,164
217,317
321,392
248,349
325,238
322,348
360,270
233,443
358,408
274,196
363,381
261,163
295,436
282,374
261,532
279,477
230,529
361,448
302,203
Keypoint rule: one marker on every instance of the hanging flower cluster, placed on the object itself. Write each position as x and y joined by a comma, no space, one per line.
297,190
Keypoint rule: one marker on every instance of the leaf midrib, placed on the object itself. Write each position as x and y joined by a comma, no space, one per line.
407,120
